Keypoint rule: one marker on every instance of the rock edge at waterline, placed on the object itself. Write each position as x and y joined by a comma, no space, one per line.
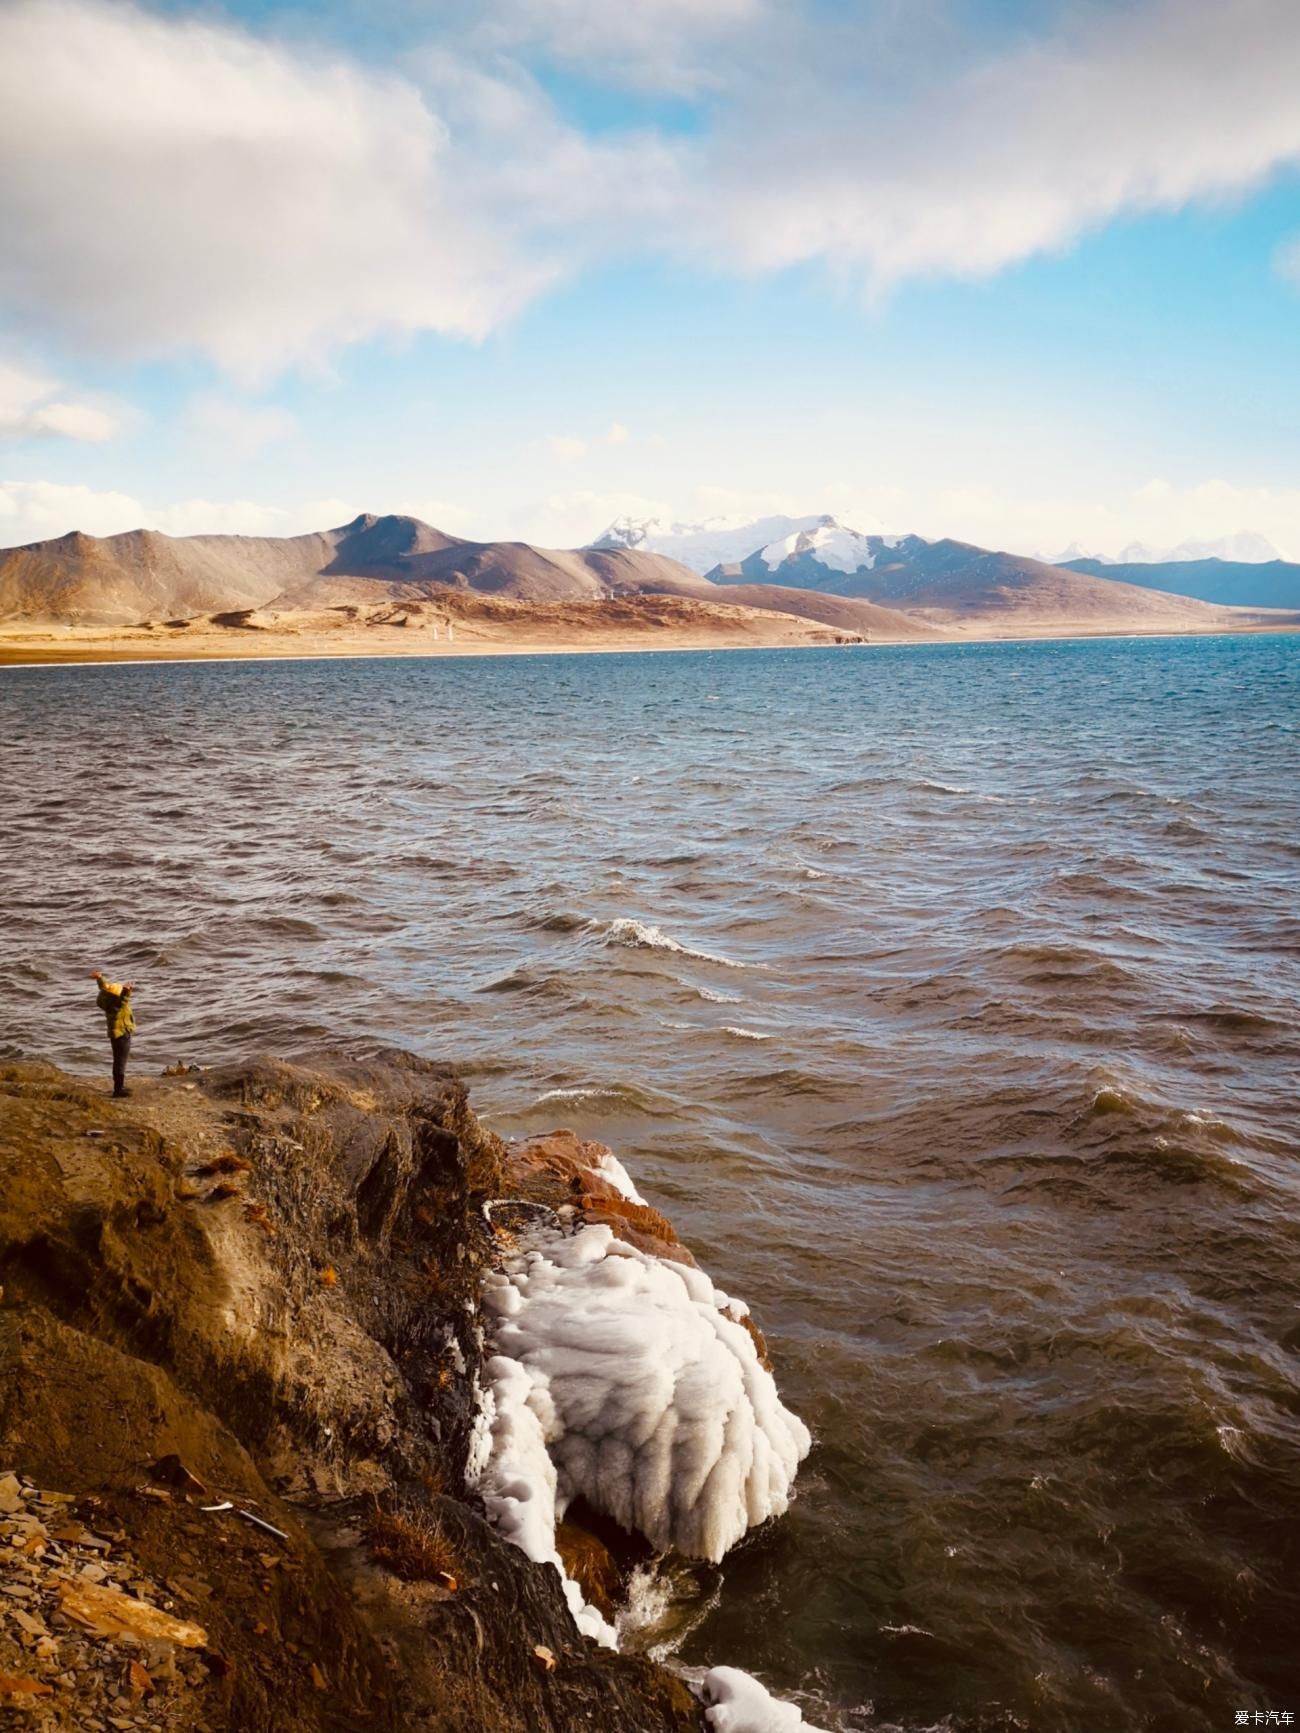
258,1290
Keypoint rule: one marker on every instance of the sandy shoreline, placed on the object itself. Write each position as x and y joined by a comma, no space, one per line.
72,646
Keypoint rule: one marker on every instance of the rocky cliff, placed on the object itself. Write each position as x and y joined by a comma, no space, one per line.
238,1377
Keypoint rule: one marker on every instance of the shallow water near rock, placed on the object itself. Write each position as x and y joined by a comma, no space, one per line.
944,998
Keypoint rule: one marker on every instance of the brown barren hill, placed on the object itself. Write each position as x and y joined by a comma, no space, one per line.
850,614
119,580
147,575
958,586
962,583
144,593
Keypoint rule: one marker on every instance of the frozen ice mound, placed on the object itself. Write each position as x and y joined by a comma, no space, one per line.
627,1379
739,1704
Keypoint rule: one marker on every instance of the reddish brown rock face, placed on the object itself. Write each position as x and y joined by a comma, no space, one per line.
592,1566
560,1168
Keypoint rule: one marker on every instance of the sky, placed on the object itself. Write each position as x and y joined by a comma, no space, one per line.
1024,272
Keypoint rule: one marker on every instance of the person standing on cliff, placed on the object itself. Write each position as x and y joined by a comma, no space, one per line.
115,1003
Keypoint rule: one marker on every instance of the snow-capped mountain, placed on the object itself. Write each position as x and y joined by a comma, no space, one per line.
1246,548
830,556
722,541
821,554
830,544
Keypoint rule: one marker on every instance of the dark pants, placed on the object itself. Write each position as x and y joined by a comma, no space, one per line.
121,1052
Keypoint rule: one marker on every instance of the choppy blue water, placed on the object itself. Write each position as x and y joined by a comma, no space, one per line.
944,997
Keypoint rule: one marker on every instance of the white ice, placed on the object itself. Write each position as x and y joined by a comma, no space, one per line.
611,1169
739,1704
627,1379
518,1485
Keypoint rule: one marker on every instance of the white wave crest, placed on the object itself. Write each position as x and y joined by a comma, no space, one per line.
638,936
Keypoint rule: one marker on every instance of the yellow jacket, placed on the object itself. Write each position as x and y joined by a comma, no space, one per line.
115,1003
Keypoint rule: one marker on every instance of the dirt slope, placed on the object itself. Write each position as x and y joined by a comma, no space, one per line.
956,583
268,1276
145,575
842,613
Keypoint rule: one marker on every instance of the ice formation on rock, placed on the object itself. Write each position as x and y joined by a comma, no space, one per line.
739,1704
519,1484
611,1169
627,1379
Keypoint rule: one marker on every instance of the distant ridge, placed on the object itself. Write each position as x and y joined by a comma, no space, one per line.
948,581
944,582
1230,583
815,568
145,574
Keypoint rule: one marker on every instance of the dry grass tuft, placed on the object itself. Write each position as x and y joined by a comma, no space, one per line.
415,1548
434,1279
226,1162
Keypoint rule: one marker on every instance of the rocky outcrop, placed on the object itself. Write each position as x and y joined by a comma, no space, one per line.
269,1274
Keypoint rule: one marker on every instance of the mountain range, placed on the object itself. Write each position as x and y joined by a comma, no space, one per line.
814,568
1247,548
821,553
1271,583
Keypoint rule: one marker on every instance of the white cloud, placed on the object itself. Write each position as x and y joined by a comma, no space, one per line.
178,184
564,446
887,141
569,447
1134,108
453,520
674,45
31,409
570,520
243,429
1159,514
72,421
33,511
564,196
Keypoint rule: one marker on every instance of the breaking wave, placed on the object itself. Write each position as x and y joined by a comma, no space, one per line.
604,1098
638,936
